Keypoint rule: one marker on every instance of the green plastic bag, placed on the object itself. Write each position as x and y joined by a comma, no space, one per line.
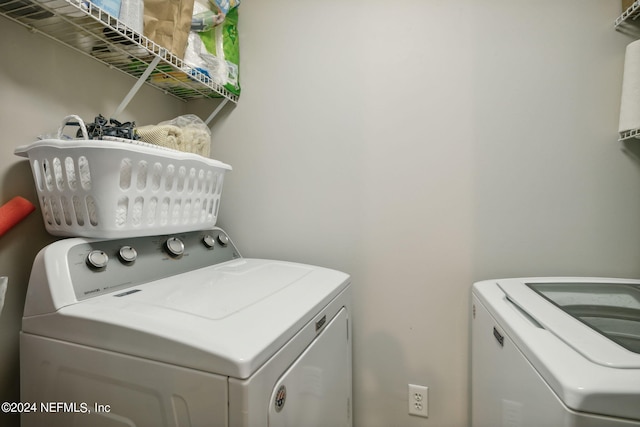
223,45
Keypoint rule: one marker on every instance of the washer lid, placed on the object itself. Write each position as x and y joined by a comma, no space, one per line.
611,309
227,319
599,319
588,372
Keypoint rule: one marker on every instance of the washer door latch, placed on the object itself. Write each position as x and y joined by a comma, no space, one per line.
498,336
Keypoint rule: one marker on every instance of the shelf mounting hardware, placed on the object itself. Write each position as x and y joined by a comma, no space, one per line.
216,111
134,90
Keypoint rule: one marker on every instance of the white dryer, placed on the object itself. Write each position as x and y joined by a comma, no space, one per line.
556,352
182,331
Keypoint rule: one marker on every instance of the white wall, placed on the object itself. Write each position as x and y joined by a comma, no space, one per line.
424,145
419,145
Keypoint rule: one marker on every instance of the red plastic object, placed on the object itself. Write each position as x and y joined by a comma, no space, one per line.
14,211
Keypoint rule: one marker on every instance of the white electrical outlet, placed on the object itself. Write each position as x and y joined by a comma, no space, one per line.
418,400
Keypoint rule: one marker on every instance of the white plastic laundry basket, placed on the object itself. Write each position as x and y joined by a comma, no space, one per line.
111,189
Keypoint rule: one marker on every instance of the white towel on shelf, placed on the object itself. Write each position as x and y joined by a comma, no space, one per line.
630,99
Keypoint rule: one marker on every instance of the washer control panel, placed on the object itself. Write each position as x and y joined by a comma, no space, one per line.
103,266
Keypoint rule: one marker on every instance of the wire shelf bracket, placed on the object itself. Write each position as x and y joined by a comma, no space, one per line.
136,87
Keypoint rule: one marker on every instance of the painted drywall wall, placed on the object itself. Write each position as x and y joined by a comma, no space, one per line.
40,83
424,145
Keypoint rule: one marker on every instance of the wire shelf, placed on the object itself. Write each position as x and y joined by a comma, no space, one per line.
89,30
628,134
627,22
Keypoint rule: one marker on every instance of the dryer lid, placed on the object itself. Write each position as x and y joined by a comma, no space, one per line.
226,319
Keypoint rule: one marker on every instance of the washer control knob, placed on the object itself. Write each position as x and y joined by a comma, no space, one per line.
209,241
223,239
127,254
174,246
97,259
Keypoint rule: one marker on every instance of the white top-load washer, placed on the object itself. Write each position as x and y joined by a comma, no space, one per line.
182,331
556,352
